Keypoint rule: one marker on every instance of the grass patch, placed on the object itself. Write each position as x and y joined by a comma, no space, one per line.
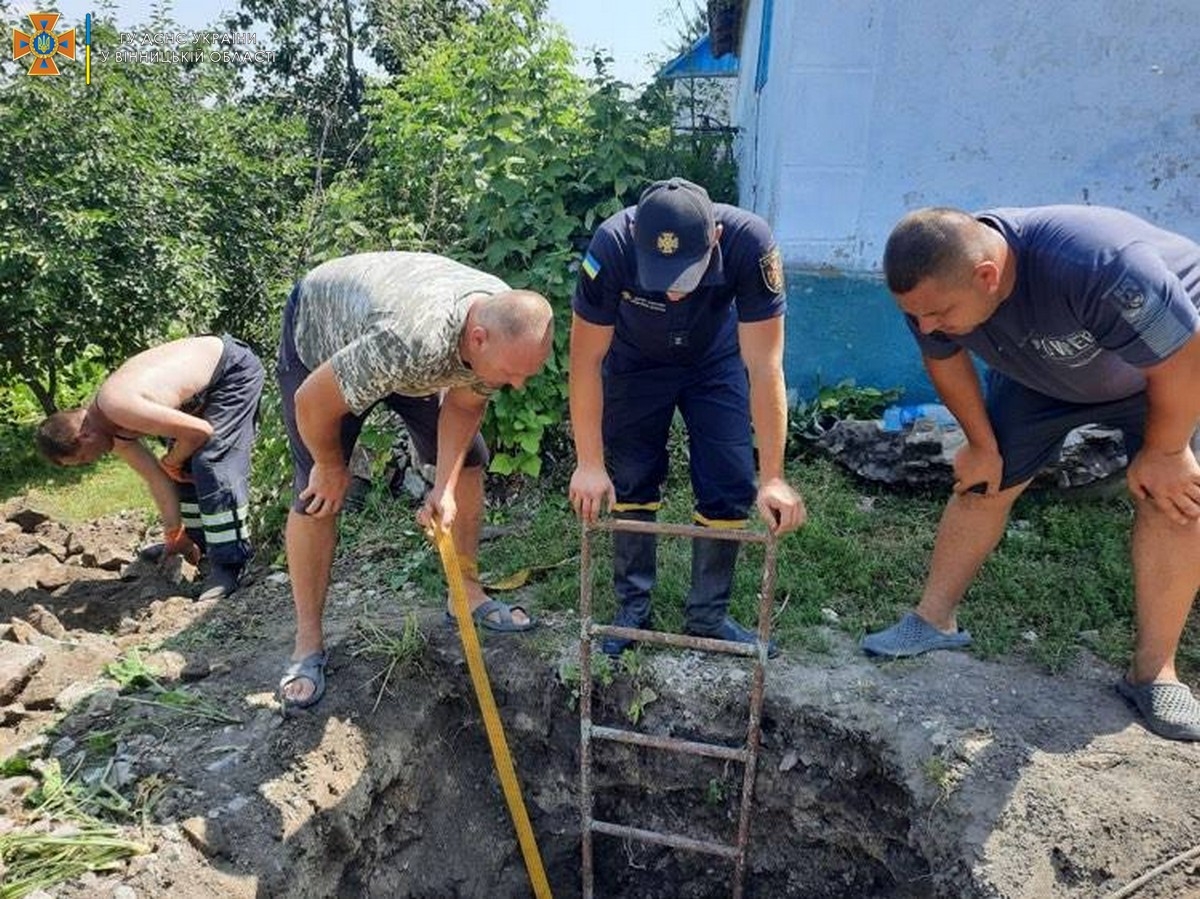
132,674
1061,571
84,493
73,494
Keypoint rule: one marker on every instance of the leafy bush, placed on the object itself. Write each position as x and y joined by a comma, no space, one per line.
844,400
20,414
271,476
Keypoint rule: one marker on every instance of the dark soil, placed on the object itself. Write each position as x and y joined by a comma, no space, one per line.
946,776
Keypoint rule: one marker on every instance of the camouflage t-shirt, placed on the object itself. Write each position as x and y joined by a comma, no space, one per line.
389,323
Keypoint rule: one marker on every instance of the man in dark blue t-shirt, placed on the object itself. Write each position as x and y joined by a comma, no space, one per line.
680,306
1084,315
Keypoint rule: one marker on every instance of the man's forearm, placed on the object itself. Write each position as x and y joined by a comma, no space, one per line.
322,434
586,398
162,489
457,425
320,409
1173,400
958,386
186,445
768,410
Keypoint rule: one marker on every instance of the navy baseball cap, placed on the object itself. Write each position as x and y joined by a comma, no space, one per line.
673,231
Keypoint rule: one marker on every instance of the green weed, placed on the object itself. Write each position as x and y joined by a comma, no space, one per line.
642,697
401,653
603,675
66,841
132,674
940,774
715,792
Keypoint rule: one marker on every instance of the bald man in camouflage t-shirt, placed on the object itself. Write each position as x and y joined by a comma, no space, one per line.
430,338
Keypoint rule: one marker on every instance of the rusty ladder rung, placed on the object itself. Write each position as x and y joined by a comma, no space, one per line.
671,744
747,754
666,839
683,641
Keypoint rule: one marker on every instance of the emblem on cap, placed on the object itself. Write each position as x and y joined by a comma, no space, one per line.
667,242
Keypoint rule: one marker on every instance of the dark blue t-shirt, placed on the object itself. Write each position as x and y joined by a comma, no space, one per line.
743,283
1100,294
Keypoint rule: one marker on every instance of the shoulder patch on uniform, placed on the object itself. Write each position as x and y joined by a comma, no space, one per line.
591,266
771,266
1129,293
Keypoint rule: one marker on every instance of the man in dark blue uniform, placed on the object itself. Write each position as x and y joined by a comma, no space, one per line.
680,306
1084,315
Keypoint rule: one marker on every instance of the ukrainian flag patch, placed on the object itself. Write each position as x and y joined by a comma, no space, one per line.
591,267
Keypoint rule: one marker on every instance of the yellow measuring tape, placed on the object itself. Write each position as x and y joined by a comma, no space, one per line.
491,717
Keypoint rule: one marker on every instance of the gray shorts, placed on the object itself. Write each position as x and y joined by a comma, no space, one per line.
420,414
1030,427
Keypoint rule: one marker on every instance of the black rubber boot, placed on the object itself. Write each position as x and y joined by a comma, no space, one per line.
222,581
713,562
705,611
635,559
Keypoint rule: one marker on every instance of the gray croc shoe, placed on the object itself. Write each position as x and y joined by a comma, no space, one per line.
1168,708
911,636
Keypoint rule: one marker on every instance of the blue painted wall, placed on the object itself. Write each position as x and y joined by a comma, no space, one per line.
842,328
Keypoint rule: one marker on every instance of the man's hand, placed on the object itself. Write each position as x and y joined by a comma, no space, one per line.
327,486
176,542
591,492
780,507
1171,480
975,466
439,506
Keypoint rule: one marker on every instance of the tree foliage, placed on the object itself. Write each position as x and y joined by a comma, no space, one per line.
137,206
402,28
168,199
322,54
486,150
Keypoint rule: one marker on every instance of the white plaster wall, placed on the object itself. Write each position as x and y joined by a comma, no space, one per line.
873,108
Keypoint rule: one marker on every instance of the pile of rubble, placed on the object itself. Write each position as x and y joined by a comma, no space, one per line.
37,552
67,595
921,454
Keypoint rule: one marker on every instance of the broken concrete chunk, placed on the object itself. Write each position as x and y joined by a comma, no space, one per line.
45,621
28,517
206,835
18,663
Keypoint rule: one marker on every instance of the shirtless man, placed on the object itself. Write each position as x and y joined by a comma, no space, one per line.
200,394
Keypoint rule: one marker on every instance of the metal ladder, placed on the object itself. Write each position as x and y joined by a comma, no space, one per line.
747,754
